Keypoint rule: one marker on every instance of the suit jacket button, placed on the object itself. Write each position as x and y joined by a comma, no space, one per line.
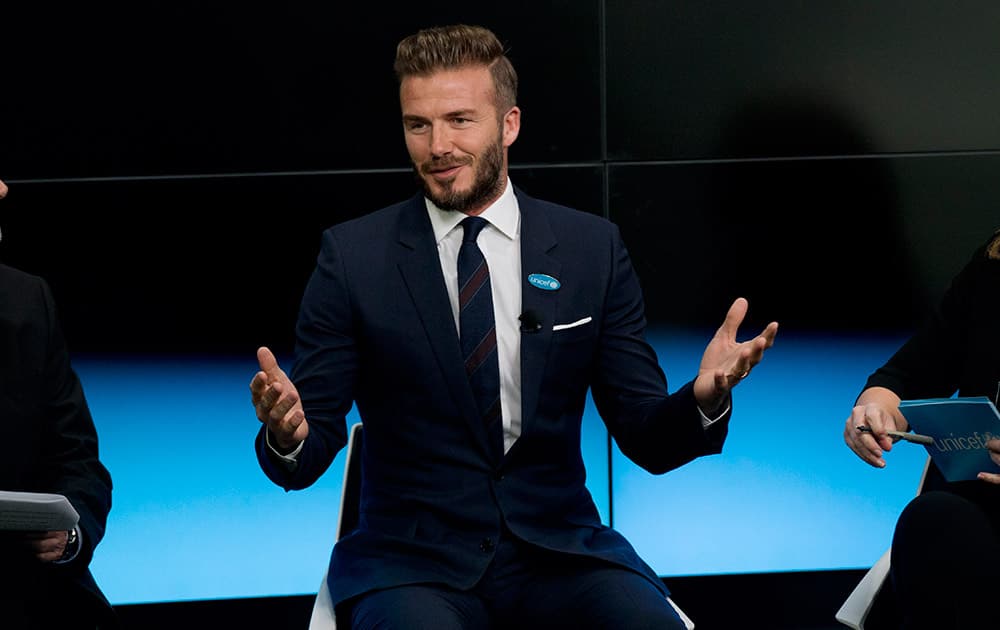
486,546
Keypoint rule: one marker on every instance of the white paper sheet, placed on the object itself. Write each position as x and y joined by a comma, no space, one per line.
36,511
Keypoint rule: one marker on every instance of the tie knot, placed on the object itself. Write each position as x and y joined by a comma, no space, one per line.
472,226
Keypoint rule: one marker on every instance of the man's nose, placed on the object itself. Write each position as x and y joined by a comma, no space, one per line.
441,141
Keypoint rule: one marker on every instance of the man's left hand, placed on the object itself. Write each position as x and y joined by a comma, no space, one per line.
726,362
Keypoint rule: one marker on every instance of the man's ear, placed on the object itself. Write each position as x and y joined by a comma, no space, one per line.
511,125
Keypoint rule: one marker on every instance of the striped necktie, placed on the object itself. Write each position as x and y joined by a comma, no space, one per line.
477,329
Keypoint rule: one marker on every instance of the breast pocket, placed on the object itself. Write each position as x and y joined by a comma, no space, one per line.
571,358
580,329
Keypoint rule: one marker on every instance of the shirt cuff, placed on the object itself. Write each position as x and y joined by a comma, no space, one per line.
290,460
707,422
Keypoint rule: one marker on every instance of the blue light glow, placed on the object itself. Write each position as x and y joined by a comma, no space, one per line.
194,517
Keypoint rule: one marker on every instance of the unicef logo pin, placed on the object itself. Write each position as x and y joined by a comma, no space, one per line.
542,281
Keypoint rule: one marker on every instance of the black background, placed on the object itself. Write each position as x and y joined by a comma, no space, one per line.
173,163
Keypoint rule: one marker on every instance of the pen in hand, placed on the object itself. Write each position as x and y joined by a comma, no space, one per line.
916,438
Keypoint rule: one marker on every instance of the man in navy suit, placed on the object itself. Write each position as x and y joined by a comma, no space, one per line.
50,447
461,527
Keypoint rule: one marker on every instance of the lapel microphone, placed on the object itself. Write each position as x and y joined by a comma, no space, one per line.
530,321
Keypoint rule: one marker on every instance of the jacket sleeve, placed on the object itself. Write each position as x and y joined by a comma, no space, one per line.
657,430
69,458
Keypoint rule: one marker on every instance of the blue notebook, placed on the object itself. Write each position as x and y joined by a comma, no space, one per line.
960,428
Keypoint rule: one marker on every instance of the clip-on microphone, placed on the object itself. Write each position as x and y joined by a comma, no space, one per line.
530,322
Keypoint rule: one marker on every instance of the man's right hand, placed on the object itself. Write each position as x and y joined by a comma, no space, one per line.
3,189
277,403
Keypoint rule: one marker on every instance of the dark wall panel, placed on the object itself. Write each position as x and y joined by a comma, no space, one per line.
703,79
825,244
204,265
181,87
182,265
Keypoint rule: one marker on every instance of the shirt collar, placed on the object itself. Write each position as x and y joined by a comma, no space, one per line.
502,214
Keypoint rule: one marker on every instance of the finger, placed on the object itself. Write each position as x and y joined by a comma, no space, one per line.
269,397
265,400
51,555
284,404
879,424
257,386
876,441
291,430
872,450
995,456
755,348
293,420
734,317
869,452
989,477
3,189
863,444
751,354
48,546
769,333
722,381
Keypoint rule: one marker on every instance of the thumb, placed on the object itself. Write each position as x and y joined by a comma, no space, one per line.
268,364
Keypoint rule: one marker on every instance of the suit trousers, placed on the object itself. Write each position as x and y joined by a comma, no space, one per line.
48,608
524,587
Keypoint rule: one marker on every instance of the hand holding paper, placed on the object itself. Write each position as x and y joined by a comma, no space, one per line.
36,511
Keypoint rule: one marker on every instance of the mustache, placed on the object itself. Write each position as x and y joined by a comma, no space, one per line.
444,164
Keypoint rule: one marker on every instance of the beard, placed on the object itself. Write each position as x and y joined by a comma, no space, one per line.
487,184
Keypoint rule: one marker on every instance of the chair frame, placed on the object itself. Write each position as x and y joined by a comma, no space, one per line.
854,612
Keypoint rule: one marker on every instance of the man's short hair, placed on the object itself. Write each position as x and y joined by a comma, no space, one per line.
458,46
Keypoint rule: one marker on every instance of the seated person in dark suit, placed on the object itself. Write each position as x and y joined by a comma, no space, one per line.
50,446
468,324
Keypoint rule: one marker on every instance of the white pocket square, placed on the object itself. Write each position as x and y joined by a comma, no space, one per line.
579,322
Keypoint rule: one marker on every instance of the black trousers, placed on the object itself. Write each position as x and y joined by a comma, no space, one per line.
53,610
945,559
524,588
40,597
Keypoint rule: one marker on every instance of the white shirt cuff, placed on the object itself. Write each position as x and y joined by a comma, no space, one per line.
290,460
707,422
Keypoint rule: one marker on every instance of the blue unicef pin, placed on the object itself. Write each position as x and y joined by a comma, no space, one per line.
542,281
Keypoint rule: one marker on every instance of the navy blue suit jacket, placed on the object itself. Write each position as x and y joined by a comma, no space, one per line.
376,329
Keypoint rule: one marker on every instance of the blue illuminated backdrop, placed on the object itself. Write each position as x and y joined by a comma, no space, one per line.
177,435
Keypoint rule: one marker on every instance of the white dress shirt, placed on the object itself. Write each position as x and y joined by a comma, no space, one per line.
500,242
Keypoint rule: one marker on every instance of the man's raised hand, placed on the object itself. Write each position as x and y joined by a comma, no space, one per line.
276,402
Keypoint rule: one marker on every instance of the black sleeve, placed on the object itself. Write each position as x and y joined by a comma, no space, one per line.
70,463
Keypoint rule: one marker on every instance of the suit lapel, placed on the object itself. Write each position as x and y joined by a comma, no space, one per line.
537,240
